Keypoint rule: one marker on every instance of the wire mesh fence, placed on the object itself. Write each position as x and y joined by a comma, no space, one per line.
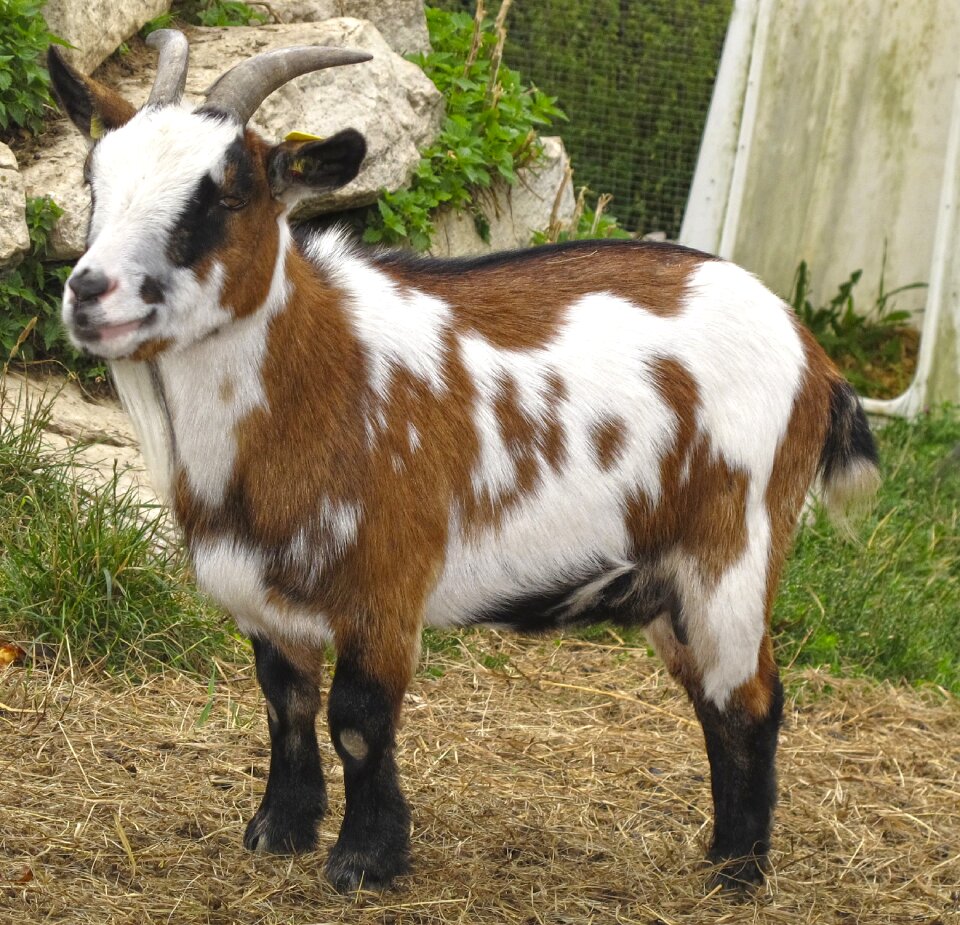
634,78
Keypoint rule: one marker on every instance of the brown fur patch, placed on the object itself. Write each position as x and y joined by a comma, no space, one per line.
609,436
510,304
554,436
228,389
756,695
655,528
151,348
111,109
796,460
252,240
702,505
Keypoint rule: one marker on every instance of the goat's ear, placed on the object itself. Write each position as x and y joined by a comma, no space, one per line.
325,164
93,108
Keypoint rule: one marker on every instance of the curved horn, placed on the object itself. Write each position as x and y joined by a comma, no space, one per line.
245,86
171,68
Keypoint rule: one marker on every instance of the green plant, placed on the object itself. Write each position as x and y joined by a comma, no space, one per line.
887,604
856,341
490,131
91,566
31,294
635,79
589,223
24,82
163,21
228,13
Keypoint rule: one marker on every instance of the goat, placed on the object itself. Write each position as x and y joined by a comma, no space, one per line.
357,444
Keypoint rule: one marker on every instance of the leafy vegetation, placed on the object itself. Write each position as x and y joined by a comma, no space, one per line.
31,294
872,349
635,80
588,223
91,567
24,82
207,13
490,130
228,13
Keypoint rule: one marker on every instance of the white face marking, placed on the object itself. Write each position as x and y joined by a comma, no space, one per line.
142,177
233,576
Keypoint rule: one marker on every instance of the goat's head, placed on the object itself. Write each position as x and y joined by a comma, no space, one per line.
186,205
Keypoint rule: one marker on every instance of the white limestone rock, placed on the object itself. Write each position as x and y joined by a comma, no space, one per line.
96,28
388,99
401,22
14,239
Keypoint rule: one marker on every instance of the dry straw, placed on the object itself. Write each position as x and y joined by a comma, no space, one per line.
567,786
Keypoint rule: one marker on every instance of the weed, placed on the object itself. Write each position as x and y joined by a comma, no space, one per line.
24,82
222,13
31,295
860,343
490,131
91,566
163,21
588,223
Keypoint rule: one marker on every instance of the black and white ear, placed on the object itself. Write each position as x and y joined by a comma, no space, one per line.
92,107
318,165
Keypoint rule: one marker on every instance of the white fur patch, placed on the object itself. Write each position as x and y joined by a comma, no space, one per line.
204,417
233,576
397,327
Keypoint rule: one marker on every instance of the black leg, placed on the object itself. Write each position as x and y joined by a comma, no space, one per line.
741,748
374,842
295,798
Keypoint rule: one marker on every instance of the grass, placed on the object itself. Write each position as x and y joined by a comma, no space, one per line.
888,604
88,566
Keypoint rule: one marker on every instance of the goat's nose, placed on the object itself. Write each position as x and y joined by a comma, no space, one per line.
89,284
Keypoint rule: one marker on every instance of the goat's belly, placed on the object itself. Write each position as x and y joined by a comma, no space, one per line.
544,551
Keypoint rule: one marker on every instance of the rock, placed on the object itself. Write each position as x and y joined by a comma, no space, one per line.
97,27
401,22
542,194
14,239
389,100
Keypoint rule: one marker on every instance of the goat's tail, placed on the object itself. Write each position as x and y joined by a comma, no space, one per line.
848,467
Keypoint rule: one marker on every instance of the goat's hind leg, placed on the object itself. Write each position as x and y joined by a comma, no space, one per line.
741,740
295,798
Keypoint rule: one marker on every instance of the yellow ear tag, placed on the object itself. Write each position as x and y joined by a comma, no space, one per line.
303,136
96,127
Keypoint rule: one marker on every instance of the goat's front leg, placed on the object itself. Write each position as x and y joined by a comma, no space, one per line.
372,673
295,798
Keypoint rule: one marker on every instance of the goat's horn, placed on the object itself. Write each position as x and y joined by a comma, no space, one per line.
171,68
245,86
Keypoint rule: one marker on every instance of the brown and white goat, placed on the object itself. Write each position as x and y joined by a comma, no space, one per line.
358,444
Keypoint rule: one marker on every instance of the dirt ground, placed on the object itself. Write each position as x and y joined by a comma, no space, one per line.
550,782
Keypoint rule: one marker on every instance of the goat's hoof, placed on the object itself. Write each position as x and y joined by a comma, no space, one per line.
283,829
350,870
737,877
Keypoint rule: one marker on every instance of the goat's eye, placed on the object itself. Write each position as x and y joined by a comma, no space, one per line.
233,203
